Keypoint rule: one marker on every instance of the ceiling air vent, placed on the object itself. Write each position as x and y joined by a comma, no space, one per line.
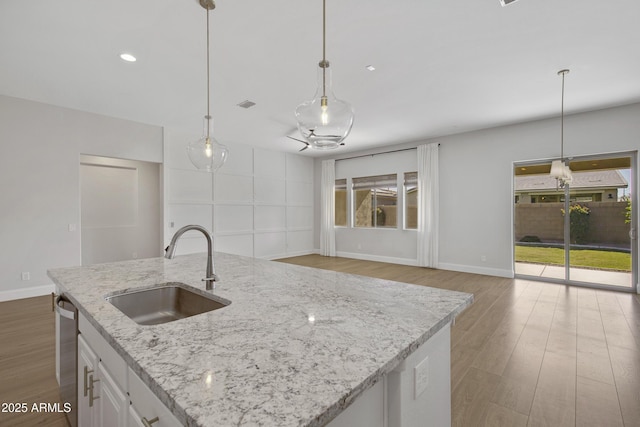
507,2
246,104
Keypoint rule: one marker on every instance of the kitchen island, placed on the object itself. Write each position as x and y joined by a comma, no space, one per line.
296,346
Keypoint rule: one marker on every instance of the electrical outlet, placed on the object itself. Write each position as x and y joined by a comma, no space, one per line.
134,255
420,377
26,275
483,258
72,227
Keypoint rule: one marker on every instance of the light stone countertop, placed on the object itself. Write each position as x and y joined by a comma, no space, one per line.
294,348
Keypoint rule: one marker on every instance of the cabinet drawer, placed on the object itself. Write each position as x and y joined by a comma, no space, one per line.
145,404
111,360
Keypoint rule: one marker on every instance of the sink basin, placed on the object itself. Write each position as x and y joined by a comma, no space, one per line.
164,303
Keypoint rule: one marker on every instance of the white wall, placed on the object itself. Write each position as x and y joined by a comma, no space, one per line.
40,147
382,244
260,203
476,194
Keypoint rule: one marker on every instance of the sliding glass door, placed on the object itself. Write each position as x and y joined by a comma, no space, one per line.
582,232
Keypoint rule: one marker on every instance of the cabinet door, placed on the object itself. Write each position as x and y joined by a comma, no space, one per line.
87,376
146,407
113,403
135,420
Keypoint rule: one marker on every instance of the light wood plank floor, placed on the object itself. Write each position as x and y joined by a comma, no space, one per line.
27,361
531,353
525,353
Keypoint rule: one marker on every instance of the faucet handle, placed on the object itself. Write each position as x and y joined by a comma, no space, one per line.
210,282
213,278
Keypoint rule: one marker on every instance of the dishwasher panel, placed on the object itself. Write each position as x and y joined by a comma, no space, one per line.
68,317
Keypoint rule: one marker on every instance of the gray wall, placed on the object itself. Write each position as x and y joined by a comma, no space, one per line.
476,181
40,147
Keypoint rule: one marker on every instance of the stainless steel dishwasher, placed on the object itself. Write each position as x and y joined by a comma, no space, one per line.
68,317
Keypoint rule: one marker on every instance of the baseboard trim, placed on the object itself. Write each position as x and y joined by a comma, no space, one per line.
378,258
35,291
287,255
476,270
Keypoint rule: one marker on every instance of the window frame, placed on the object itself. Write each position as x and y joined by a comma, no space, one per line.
385,178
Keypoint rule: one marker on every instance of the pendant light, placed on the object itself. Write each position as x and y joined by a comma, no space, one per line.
325,121
559,168
206,153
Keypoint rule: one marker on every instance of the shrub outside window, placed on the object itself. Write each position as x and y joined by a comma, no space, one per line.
411,200
340,203
375,201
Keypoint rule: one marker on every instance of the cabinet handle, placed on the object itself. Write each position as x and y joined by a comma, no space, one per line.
91,396
147,423
87,371
88,380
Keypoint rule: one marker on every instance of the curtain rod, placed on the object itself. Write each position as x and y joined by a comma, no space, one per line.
377,154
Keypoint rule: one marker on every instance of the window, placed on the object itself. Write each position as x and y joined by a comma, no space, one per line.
341,203
411,200
375,201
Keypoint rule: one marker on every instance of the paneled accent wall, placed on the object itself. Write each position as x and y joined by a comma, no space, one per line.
260,203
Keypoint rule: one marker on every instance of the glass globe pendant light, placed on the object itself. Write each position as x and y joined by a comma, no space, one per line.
206,153
325,121
560,169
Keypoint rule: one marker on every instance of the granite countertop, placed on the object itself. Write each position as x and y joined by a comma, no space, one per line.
294,348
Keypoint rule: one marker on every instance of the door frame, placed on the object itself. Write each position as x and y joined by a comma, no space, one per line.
633,192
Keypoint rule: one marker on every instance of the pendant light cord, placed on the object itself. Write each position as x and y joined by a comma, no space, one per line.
208,84
562,118
324,63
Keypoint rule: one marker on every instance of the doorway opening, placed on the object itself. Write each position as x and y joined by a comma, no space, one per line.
120,209
584,233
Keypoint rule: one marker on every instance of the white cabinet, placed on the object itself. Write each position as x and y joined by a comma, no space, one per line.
101,401
109,393
146,407
416,393
87,377
112,407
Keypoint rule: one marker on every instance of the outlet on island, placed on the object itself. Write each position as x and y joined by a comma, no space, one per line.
421,377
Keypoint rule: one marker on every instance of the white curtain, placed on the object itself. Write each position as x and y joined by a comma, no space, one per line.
428,203
327,218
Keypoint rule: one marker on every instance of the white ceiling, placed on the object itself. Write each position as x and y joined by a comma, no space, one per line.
442,66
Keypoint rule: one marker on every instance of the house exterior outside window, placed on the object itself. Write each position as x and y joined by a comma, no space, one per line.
341,203
411,200
375,201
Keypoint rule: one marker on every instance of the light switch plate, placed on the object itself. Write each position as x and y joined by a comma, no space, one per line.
420,377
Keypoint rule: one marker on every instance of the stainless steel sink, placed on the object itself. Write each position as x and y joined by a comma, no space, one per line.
164,303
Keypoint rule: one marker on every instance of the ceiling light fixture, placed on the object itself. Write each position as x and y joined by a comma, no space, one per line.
207,153
559,168
128,57
325,120
370,68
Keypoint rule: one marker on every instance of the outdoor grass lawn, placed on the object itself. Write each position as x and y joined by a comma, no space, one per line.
604,260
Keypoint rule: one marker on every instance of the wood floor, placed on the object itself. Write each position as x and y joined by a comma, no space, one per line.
524,354
530,353
27,361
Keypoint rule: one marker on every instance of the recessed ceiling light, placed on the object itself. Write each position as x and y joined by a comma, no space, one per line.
370,68
128,57
246,104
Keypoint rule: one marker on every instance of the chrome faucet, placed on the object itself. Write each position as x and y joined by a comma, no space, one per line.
170,250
